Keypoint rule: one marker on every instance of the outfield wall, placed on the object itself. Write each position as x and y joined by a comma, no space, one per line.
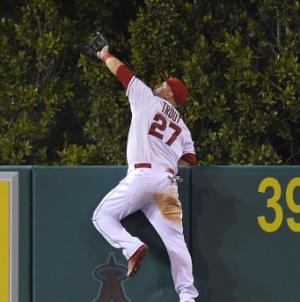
241,225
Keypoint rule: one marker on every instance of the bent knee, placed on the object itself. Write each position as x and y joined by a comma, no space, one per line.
96,216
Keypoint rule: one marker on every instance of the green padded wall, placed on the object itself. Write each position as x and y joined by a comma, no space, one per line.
238,256
242,225
70,258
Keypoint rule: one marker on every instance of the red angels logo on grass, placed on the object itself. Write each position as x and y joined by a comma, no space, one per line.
111,275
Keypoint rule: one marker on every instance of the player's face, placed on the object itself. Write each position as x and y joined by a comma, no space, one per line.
161,90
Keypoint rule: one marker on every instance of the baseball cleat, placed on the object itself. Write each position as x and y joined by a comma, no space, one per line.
135,261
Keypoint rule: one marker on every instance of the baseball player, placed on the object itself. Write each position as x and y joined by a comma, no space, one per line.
158,141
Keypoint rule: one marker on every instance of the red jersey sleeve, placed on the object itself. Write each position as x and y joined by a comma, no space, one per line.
190,158
124,75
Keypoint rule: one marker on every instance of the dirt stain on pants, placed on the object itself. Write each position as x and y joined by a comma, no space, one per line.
169,206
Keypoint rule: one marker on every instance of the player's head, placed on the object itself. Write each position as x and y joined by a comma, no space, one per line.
179,90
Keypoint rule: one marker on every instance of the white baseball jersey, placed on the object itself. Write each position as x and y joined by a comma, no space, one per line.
157,133
157,136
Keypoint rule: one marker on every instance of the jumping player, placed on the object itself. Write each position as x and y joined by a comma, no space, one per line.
158,141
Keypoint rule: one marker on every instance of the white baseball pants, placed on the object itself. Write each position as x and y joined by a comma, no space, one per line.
153,192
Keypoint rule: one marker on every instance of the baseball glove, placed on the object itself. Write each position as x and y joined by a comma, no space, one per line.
91,50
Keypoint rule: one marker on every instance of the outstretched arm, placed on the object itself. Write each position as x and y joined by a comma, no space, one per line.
99,50
117,67
111,62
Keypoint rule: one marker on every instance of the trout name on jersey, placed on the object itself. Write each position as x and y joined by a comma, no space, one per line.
171,112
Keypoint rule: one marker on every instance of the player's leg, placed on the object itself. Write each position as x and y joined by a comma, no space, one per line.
180,259
123,200
165,214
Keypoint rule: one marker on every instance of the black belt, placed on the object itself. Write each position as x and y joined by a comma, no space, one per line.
149,166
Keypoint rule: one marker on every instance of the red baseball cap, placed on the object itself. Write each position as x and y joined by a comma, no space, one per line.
178,89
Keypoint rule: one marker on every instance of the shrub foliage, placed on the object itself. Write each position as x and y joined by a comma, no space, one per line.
239,60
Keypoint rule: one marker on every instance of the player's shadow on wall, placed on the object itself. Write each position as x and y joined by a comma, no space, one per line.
138,225
212,215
